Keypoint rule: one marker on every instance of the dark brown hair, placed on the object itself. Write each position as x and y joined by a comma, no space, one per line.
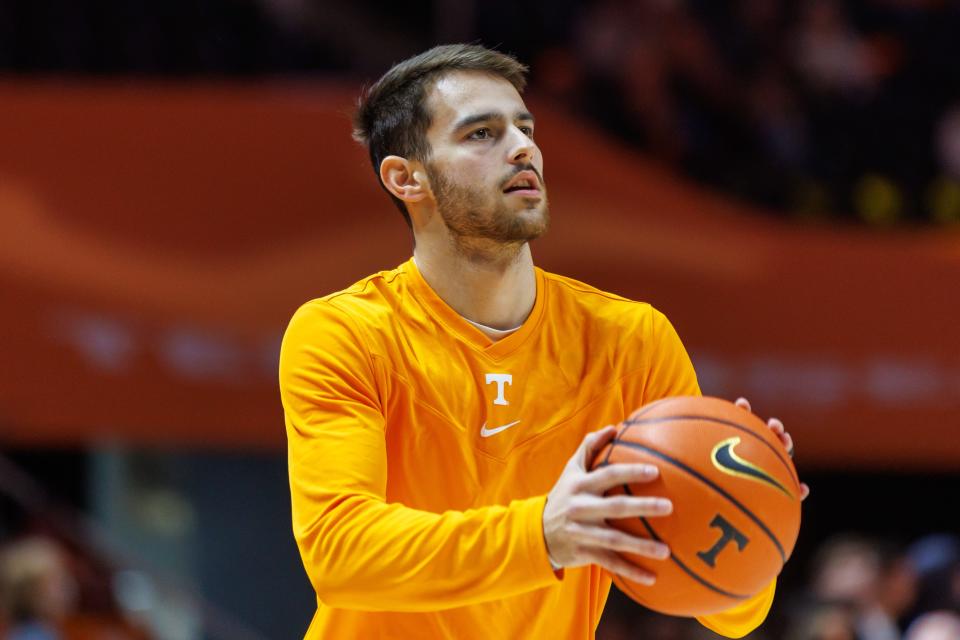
391,116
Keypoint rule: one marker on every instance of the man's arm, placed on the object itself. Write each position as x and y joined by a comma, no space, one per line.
359,551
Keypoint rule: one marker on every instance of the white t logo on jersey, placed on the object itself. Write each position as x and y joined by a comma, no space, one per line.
500,379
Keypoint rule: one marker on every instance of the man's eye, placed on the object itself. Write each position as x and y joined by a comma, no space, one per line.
481,134
527,131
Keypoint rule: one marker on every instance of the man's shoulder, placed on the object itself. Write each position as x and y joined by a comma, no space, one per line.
569,295
377,287
366,301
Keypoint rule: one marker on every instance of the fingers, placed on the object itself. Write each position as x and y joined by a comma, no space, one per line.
776,426
574,515
615,540
785,439
592,444
586,507
612,475
610,561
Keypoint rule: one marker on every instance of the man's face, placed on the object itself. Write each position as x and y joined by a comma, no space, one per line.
481,136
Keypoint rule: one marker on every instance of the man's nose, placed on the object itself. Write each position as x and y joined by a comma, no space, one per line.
523,149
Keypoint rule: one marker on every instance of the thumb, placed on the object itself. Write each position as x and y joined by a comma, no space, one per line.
593,443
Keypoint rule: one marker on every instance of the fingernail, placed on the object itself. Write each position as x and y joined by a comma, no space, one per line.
645,579
649,470
663,505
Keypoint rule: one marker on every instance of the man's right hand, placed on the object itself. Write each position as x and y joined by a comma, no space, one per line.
574,526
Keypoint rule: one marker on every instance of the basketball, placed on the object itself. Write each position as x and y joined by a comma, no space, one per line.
736,503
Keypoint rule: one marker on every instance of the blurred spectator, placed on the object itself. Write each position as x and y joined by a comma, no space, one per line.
936,560
37,591
829,53
943,193
948,142
877,583
776,113
824,622
620,45
937,625
48,592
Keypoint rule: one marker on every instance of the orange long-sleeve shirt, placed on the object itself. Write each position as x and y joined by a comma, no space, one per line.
421,453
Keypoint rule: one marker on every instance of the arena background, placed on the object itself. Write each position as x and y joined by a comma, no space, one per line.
782,179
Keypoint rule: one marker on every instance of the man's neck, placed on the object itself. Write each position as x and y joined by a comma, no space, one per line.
494,289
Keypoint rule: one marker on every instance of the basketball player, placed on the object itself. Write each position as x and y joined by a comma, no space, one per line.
441,416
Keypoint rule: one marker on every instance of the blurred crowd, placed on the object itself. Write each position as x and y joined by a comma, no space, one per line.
49,592
857,588
54,582
810,107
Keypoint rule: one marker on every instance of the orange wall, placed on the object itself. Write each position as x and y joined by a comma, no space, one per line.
154,240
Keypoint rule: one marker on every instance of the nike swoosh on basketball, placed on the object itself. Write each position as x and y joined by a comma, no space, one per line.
726,460
486,433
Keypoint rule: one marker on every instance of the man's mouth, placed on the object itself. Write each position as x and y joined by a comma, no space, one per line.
524,183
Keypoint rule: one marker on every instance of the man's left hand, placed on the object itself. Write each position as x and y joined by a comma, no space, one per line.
777,427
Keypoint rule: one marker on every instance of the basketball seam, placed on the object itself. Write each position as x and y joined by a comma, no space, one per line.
690,572
712,485
629,423
624,585
646,409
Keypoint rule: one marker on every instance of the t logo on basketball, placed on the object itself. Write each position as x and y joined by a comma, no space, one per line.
729,533
500,379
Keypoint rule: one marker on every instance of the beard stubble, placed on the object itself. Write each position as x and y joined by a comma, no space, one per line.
471,216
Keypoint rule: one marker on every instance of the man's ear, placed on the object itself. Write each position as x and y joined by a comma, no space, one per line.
404,178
